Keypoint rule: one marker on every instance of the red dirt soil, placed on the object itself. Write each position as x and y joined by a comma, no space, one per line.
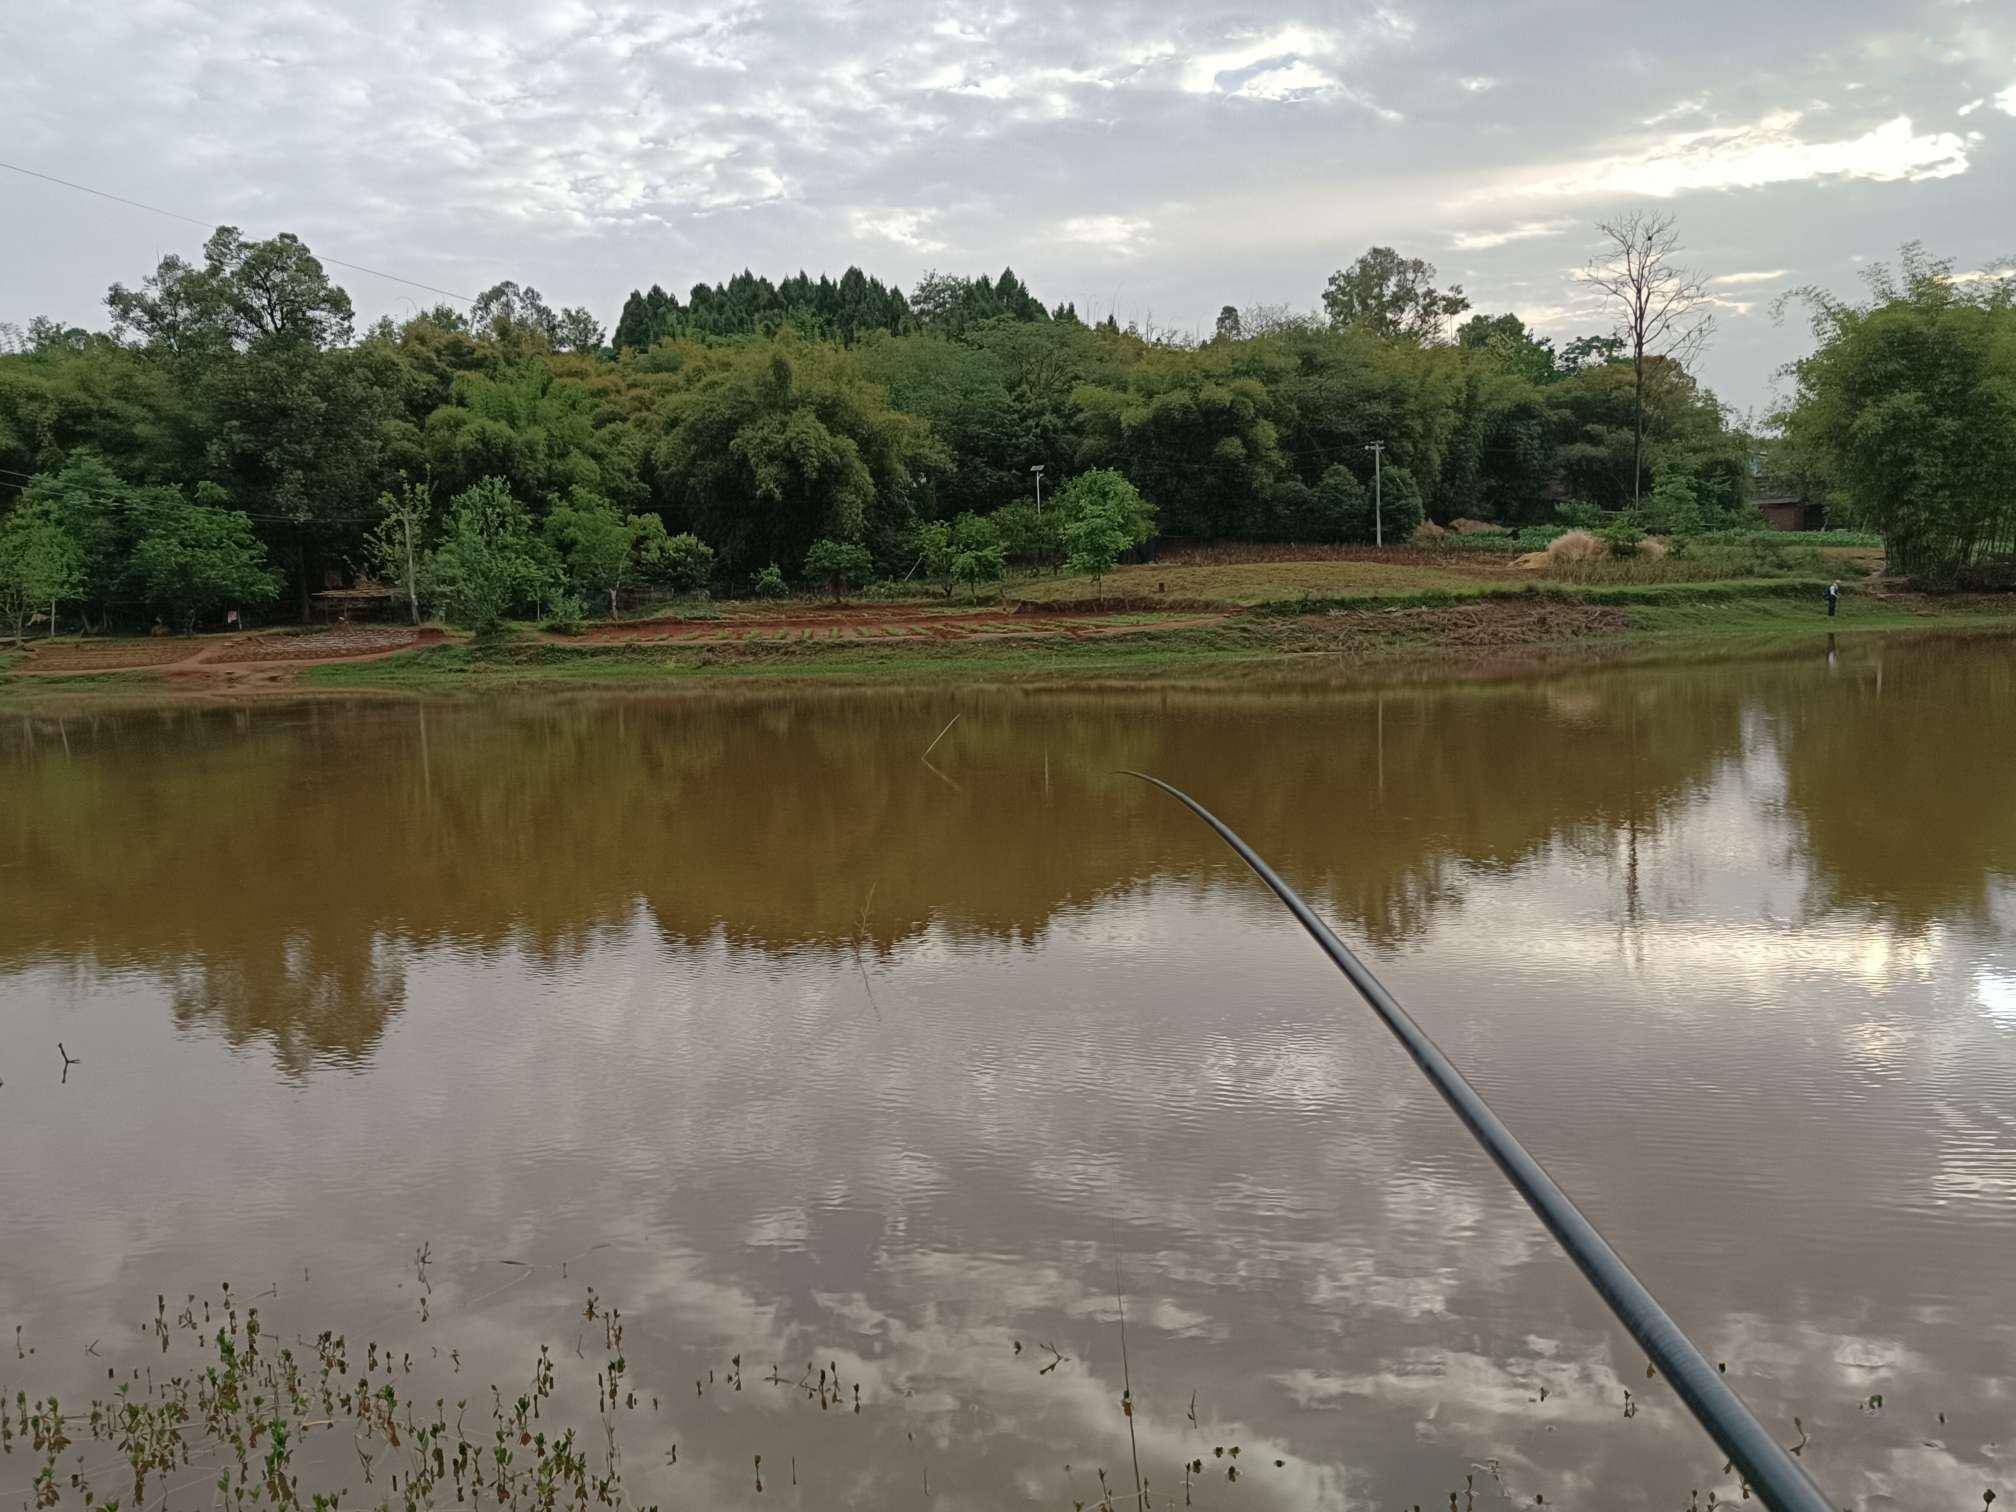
865,622
182,656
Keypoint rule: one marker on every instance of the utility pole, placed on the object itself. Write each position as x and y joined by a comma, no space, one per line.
1378,519
1038,471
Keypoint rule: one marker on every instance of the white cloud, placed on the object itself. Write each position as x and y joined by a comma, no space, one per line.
1771,151
1478,83
1292,82
2006,101
906,228
1675,111
1983,275
1749,278
1971,106
1478,241
1122,234
1200,74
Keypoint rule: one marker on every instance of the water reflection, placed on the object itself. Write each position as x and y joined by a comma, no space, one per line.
590,970
280,869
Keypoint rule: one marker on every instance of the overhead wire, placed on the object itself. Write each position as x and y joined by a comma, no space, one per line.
106,194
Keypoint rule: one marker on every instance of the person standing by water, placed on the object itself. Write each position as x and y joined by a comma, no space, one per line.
1833,598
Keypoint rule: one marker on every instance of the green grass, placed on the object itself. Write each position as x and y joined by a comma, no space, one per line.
531,665
1327,633
1248,583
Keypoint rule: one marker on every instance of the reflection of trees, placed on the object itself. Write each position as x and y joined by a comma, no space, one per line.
1898,772
276,869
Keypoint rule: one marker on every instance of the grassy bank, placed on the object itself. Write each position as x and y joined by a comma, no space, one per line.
1405,630
1384,635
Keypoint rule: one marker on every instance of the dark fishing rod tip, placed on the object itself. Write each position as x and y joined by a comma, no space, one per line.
1779,1481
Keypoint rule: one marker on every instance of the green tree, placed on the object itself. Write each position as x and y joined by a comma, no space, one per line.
930,546
1193,431
1392,296
840,565
191,561
1030,535
100,512
980,564
768,583
1506,341
1399,504
1340,508
602,550
245,291
1908,407
1673,507
770,448
686,563
40,564
489,562
394,548
1094,540
1103,488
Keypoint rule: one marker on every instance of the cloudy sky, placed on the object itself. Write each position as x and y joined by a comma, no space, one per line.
1155,159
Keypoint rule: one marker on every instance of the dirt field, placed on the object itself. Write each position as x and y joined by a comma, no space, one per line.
223,661
873,622
1245,582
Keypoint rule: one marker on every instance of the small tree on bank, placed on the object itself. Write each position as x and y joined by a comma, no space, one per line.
1662,309
1108,489
488,563
1095,540
40,564
840,565
193,561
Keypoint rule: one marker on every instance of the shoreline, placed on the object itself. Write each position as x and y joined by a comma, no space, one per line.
1344,641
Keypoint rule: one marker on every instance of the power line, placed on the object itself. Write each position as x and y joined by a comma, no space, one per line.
120,199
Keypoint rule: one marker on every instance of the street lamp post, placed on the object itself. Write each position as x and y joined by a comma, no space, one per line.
1038,471
1378,519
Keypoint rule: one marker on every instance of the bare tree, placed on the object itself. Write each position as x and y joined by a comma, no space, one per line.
1662,309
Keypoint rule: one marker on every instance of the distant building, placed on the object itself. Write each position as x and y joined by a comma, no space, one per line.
1791,512
1785,502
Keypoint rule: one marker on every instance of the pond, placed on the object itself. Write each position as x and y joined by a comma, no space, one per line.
420,1019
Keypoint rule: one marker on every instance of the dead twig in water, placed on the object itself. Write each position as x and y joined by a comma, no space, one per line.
942,734
860,932
1127,1382
943,778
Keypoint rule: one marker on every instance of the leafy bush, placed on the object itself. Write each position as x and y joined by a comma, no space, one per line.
980,564
1622,538
685,562
489,563
1027,536
1095,539
1104,488
1578,514
840,565
768,583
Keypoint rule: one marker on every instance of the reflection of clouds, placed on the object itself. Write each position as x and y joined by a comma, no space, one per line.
940,1369
1995,991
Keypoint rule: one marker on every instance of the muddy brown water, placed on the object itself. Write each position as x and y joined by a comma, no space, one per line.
795,1047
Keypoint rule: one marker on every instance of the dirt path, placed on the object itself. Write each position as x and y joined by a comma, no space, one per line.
225,663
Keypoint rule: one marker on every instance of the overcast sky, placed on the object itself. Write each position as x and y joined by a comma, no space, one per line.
1155,159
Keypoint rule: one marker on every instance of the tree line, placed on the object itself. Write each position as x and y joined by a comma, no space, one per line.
231,438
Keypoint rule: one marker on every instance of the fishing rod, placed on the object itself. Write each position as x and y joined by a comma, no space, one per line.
1778,1479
